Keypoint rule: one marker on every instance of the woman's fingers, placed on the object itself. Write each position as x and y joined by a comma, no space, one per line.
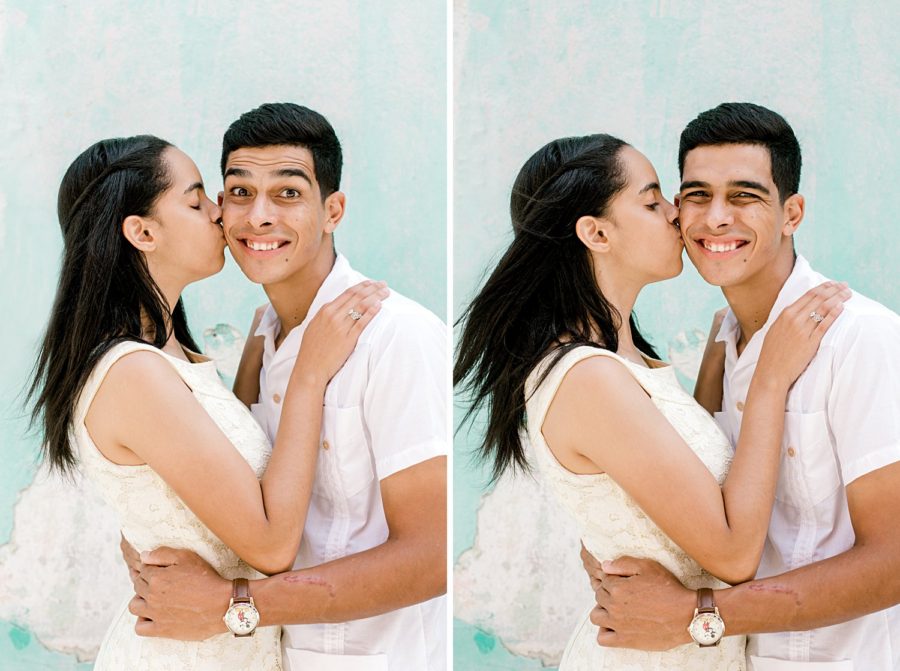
828,319
807,313
358,292
367,308
823,313
815,296
348,309
333,333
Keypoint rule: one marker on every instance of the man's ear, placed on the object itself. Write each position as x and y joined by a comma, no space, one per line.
220,198
138,231
794,208
334,210
592,231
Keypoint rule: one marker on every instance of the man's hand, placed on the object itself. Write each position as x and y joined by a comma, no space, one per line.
179,596
132,559
639,604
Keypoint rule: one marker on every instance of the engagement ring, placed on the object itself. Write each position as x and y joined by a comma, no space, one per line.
356,316
816,317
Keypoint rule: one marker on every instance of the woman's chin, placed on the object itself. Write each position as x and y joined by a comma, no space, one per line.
675,268
213,268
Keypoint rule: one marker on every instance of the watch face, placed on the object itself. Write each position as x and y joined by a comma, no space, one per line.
707,628
242,618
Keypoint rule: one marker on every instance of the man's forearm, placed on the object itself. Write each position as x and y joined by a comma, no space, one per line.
387,577
859,581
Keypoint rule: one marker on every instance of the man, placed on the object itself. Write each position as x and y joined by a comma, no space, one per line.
372,563
829,578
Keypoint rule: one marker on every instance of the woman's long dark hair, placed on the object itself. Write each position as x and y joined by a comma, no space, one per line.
542,295
105,293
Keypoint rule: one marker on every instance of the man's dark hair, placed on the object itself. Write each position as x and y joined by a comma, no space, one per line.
289,124
746,123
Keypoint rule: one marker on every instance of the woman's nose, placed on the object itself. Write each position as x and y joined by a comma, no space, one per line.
671,212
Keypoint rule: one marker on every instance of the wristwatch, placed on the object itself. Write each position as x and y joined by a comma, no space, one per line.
707,627
241,617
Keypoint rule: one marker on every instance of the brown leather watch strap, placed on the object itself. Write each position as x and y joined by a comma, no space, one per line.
706,603
240,590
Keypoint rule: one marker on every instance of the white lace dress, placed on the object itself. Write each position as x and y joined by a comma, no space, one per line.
611,523
151,515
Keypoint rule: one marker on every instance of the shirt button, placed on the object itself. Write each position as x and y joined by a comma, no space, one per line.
740,406
325,445
276,398
791,451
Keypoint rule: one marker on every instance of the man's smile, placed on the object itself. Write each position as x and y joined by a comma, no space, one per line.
262,246
720,247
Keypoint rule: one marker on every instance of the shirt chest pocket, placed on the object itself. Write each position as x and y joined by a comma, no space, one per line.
809,469
345,465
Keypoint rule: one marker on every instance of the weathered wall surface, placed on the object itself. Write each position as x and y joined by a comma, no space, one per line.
72,73
530,71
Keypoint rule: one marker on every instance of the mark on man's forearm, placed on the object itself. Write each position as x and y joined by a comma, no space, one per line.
774,588
310,580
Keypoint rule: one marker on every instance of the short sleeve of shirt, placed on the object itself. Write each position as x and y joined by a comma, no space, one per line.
405,404
864,404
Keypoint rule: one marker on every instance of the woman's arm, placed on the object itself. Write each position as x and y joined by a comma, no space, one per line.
601,417
708,390
143,407
246,382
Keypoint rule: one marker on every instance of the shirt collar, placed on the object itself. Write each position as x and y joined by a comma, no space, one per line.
801,279
339,278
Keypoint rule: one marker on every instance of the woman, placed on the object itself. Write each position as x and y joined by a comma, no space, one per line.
636,460
118,360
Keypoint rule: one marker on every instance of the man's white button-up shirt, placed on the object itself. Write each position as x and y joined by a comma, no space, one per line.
384,411
842,422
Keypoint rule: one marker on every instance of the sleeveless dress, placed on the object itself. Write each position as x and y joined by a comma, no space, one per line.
152,515
611,524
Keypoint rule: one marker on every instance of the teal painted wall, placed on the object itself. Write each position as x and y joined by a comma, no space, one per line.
72,73
531,71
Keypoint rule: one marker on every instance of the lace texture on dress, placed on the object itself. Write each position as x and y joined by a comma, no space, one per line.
611,523
151,515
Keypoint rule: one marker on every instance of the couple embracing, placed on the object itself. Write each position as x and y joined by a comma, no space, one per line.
312,497
781,476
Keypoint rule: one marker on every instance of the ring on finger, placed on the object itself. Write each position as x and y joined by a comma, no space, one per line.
354,314
816,317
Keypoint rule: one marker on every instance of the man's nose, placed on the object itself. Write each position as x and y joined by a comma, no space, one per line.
260,214
719,214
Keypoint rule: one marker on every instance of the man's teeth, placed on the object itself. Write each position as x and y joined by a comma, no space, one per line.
721,246
262,246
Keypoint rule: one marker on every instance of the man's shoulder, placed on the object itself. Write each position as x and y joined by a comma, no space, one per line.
402,314
863,320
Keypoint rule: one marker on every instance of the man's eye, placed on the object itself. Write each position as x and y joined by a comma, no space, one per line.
744,194
238,191
290,193
695,195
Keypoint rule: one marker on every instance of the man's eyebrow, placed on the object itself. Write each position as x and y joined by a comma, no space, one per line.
747,184
237,172
293,172
192,187
650,187
693,184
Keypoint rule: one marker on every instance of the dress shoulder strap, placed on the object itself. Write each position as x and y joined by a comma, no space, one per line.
101,368
540,396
